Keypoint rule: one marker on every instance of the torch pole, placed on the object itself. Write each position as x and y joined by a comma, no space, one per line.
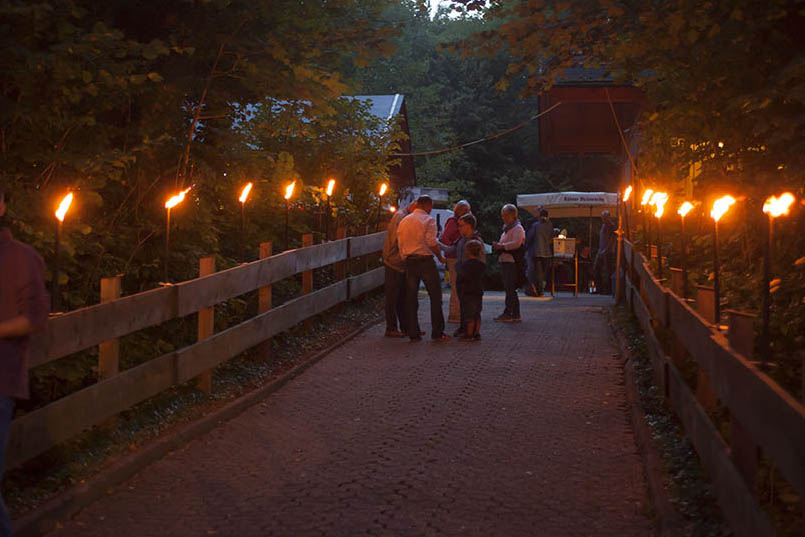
684,261
716,288
287,210
765,337
379,208
645,237
659,249
56,292
243,232
327,220
167,244
626,220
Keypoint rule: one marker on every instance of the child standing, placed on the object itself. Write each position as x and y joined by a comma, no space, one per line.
471,290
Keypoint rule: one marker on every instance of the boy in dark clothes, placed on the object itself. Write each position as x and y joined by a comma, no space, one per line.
471,290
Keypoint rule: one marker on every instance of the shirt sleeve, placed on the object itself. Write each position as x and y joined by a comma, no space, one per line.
430,233
450,233
517,236
33,301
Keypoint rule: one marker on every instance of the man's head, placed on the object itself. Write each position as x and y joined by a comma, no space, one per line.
605,215
509,213
543,214
425,203
411,206
466,225
474,249
461,208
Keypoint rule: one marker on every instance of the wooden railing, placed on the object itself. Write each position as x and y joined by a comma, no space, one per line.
762,415
43,428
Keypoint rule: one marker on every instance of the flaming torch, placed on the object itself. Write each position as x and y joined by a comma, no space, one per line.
329,191
720,207
626,194
683,210
288,193
658,200
773,207
172,202
244,195
383,188
646,197
61,212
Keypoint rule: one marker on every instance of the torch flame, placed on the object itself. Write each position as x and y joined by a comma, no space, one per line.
330,187
646,196
177,199
383,188
684,209
627,193
775,206
721,206
289,190
61,212
658,200
392,209
244,194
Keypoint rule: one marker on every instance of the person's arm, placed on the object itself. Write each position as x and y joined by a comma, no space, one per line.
450,232
517,237
430,239
32,303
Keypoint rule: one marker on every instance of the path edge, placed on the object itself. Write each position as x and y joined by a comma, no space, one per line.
48,516
669,521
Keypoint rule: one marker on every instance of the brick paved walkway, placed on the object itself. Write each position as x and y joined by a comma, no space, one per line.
522,434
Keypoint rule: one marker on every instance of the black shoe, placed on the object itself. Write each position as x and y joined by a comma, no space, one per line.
416,339
502,318
459,332
516,319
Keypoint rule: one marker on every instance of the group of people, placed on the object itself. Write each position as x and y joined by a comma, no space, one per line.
410,252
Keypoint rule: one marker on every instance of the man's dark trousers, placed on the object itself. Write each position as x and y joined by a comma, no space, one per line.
508,271
6,413
423,268
539,272
395,300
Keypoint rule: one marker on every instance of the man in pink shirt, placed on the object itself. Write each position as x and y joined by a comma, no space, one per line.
24,306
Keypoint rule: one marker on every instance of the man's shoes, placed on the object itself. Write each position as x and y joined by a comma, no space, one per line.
469,339
515,319
454,320
416,339
459,331
442,337
502,318
393,333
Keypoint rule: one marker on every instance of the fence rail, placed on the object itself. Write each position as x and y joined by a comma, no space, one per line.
762,414
37,431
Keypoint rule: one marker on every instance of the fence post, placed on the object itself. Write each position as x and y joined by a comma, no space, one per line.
206,318
109,351
705,305
677,282
365,258
743,449
341,266
264,301
307,276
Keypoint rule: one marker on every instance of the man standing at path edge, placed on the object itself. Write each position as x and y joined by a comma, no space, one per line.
24,305
416,236
394,285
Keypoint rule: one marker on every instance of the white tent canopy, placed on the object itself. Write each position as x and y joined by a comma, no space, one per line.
569,204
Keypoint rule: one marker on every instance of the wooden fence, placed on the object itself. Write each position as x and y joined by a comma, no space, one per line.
102,324
762,415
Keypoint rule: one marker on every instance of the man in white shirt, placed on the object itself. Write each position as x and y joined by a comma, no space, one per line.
416,237
512,238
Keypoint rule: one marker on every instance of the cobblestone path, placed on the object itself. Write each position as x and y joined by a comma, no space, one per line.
522,434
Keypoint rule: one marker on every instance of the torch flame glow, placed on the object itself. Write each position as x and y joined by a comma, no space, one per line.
177,199
61,212
627,193
289,190
392,209
684,209
775,206
658,200
383,188
721,206
244,194
646,196
330,187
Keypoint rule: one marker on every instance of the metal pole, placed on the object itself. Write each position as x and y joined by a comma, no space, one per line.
716,288
167,244
327,220
56,292
765,337
287,210
659,249
379,208
684,261
243,232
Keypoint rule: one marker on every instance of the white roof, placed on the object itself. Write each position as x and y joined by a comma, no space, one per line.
569,204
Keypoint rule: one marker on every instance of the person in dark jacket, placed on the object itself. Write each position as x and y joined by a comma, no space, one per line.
24,307
538,243
471,290
467,229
